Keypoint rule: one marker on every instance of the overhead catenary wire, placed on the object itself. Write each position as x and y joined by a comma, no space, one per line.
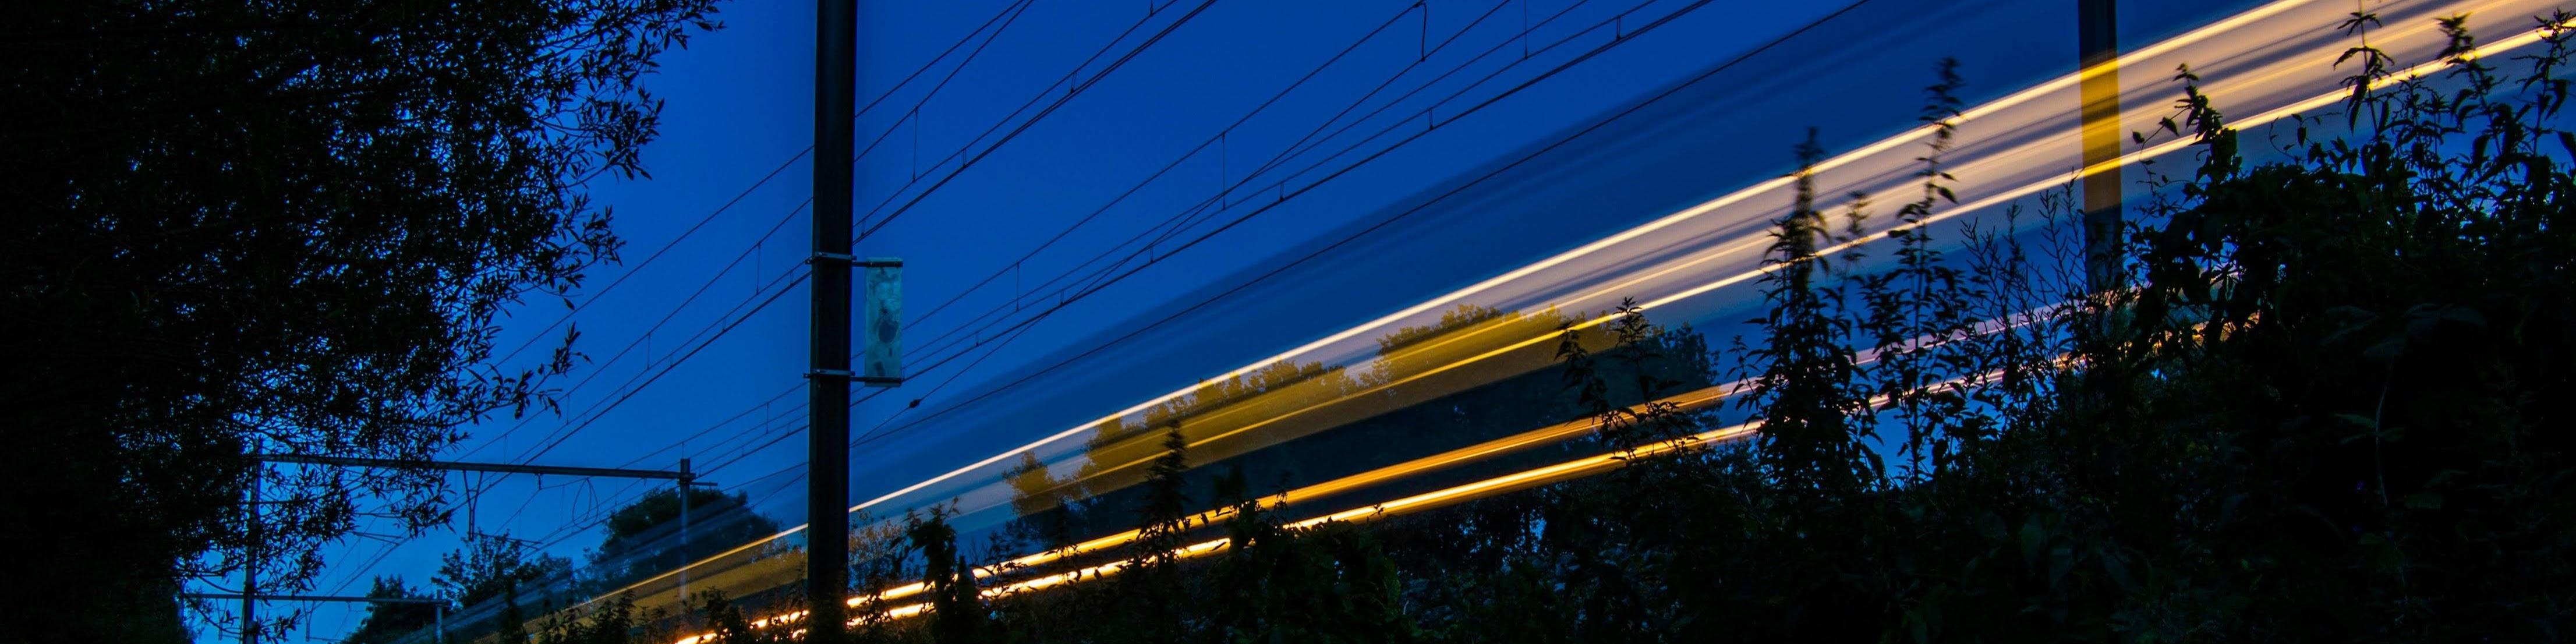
864,439
1095,287
668,366
1007,14
1129,55
1012,12
670,360
1020,328
1074,91
601,367
656,254
1011,267
1170,230
1202,206
1008,11
764,180
1023,326
1188,216
969,364
1627,37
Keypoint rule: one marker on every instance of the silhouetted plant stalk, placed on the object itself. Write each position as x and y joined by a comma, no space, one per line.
1917,313
1815,433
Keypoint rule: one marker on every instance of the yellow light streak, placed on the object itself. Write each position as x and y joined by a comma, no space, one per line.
1426,501
1693,400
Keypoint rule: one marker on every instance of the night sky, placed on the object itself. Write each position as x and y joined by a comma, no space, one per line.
739,104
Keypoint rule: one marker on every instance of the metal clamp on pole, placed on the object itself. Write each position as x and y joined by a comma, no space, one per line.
854,262
846,375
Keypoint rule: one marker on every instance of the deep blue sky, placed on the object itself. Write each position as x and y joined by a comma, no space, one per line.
740,103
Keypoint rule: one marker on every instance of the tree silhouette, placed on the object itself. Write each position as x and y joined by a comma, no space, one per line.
282,227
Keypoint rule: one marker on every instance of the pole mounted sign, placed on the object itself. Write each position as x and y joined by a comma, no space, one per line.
882,366
881,362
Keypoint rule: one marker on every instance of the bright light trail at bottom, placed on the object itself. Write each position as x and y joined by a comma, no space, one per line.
1514,482
1444,497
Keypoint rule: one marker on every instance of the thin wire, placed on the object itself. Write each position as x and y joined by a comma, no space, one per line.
1020,329
1020,7
635,384
934,389
1025,125
872,104
666,368
702,289
1202,146
657,254
1012,11
1022,326
1188,217
1408,212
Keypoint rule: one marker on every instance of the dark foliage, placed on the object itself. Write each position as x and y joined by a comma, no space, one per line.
388,622
238,228
2326,410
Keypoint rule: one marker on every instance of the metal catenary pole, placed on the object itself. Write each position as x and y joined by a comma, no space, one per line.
828,376
2097,38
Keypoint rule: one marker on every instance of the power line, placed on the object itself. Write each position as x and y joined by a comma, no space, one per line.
1007,16
1012,10
1216,199
666,368
627,389
935,343
1021,328
601,367
1121,61
1202,146
657,254
1075,90
1415,209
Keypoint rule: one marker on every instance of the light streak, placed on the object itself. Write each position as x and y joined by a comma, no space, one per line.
1407,505
2278,7
1754,243
1687,401
1694,212
1435,499
1598,463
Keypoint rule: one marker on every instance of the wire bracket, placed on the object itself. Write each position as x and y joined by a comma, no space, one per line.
847,376
848,260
